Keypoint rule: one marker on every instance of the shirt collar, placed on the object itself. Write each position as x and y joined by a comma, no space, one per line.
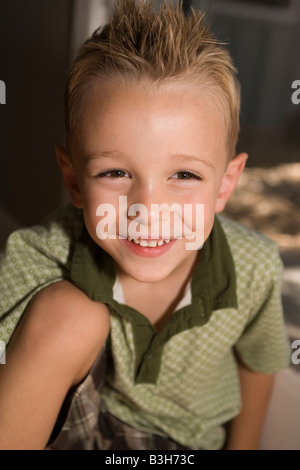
213,287
213,281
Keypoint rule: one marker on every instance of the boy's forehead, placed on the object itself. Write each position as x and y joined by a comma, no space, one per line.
142,96
116,105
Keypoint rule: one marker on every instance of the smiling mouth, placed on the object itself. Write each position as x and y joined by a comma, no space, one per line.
149,243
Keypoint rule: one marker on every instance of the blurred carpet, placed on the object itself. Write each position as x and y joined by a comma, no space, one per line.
268,200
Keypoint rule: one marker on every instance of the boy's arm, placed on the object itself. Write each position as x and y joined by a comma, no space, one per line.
245,429
34,258
52,349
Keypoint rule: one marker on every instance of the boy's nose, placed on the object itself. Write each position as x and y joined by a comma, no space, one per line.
144,201
142,192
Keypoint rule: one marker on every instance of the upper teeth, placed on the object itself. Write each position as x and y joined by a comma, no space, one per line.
150,243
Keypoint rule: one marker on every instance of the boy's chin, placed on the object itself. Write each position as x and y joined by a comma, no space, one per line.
146,276
151,272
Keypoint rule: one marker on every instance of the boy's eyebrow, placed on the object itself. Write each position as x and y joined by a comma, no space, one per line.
105,153
180,156
194,158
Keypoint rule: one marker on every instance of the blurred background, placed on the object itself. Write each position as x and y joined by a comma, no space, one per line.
38,39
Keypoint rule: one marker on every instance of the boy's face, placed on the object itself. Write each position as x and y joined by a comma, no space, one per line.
162,147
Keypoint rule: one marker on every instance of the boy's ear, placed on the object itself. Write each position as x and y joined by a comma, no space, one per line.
230,180
69,175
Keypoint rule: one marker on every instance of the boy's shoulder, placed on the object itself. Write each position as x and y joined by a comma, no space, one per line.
249,246
239,232
65,222
53,236
34,258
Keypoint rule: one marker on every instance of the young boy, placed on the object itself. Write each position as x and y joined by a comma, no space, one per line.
131,338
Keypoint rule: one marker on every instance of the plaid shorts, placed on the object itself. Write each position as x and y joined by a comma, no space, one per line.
83,423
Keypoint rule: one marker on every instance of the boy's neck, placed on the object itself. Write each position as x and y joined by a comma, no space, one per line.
157,300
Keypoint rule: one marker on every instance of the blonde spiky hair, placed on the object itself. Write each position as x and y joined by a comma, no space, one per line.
140,44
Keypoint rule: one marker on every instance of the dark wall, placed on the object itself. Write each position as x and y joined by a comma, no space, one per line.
34,54
265,49
264,38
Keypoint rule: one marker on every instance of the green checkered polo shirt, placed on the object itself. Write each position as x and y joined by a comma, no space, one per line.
180,382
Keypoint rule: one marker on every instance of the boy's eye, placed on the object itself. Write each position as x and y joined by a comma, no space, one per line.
113,174
186,175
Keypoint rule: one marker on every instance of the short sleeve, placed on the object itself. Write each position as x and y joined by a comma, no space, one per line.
32,259
264,345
